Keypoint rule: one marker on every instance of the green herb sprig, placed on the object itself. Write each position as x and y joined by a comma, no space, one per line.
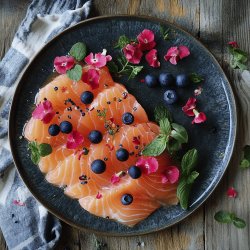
39,150
122,42
228,218
172,135
238,59
78,51
195,78
165,32
188,176
245,162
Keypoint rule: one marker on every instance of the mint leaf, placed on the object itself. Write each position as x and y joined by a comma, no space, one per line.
179,133
224,217
35,157
239,223
183,192
191,178
122,42
44,149
189,161
135,70
239,58
244,163
156,147
161,112
78,51
173,146
195,78
164,32
75,74
165,126
113,68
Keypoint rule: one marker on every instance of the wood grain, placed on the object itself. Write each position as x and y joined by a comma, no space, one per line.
215,23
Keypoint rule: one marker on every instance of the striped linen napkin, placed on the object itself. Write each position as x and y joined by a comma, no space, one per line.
24,222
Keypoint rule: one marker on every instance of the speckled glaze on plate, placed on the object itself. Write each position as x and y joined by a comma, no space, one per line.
213,139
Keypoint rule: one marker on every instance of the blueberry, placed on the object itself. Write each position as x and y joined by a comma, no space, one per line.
95,136
182,80
127,118
54,129
134,172
127,199
151,81
166,79
170,96
66,127
122,154
98,166
87,97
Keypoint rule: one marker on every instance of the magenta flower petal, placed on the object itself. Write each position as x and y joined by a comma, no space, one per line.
189,106
198,91
146,40
98,196
91,77
115,179
63,63
171,175
74,140
148,165
234,44
132,53
151,58
44,112
183,51
98,60
231,192
200,117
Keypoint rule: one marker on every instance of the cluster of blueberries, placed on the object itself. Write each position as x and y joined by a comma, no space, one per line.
166,80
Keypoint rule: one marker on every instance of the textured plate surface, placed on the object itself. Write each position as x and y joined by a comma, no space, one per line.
214,139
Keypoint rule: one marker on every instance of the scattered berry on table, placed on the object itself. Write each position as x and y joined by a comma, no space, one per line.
66,127
122,154
127,199
98,166
87,97
170,96
54,129
127,118
182,80
134,172
95,136
166,79
151,81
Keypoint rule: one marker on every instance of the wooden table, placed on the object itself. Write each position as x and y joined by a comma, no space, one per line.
214,22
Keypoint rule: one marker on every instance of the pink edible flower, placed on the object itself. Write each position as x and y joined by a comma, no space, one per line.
44,112
18,203
132,53
146,40
199,117
136,140
115,179
98,196
234,44
171,175
231,192
189,107
63,63
147,164
74,140
91,77
198,91
98,60
151,58
174,54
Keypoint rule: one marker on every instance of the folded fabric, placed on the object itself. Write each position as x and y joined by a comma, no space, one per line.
24,222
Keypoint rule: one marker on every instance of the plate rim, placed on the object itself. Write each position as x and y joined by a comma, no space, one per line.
232,110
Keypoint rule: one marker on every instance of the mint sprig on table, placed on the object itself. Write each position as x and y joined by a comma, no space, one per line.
122,42
245,162
171,137
39,150
78,51
238,59
188,176
165,32
227,217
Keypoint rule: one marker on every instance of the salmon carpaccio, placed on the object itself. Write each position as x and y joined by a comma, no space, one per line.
71,168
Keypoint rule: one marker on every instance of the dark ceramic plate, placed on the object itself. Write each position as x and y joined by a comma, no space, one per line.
214,139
